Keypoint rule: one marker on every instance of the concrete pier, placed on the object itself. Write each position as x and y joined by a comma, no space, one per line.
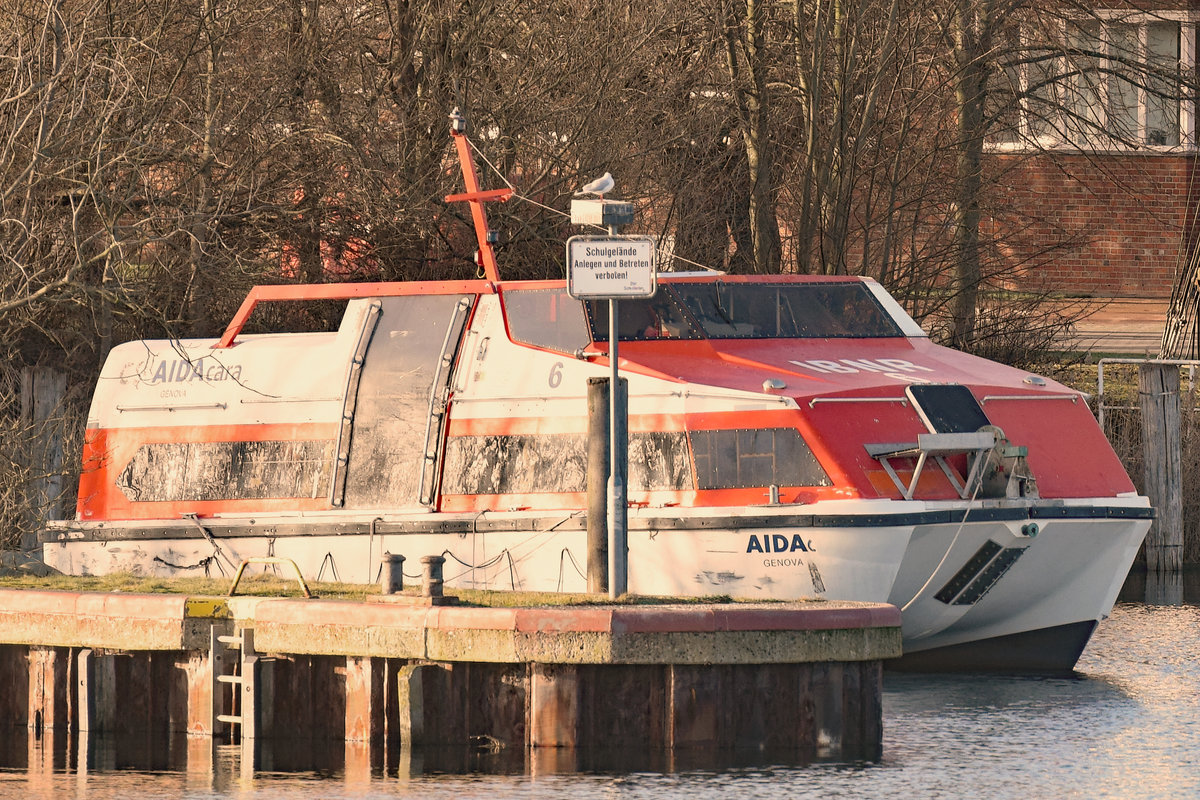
803,679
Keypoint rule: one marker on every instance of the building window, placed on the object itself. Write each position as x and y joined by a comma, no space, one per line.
1111,81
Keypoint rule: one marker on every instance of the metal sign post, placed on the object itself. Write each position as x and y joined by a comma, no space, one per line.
609,268
618,539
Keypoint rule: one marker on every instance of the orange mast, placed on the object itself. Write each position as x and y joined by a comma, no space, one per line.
473,195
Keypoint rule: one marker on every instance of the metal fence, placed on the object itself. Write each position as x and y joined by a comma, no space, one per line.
1102,406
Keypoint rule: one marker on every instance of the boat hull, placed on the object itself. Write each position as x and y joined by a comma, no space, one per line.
1047,651
1007,587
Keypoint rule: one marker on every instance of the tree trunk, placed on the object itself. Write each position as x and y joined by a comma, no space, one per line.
200,281
753,108
972,44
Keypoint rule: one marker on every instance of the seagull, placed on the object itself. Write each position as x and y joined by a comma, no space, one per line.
599,186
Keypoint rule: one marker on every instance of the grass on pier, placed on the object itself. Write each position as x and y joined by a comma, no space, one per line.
272,586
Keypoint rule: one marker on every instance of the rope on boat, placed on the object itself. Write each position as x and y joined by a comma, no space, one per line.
506,553
205,562
512,571
962,524
332,567
566,552
484,565
271,554
512,575
192,518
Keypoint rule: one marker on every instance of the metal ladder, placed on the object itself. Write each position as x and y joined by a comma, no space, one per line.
238,673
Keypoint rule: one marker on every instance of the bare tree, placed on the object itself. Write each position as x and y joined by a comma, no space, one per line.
158,158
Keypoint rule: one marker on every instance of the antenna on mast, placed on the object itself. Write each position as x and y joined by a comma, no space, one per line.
486,256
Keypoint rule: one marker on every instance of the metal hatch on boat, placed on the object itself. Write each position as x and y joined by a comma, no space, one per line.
946,407
401,389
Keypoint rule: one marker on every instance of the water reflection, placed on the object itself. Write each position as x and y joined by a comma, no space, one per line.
1171,589
80,753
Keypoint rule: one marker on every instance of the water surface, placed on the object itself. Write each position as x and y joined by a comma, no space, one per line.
1127,725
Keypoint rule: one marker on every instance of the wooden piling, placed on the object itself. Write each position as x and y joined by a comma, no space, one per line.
599,465
97,690
364,698
1158,387
410,700
695,697
49,687
554,705
597,483
14,686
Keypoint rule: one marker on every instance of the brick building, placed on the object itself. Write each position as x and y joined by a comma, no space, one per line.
1100,156
1117,223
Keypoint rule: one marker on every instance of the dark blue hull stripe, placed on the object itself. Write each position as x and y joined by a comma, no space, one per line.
498,523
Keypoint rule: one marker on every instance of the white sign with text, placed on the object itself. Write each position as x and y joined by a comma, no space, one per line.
610,267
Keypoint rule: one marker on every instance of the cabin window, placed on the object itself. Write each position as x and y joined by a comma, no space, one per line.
174,471
750,457
658,317
733,310
535,463
548,318
786,310
659,461
514,464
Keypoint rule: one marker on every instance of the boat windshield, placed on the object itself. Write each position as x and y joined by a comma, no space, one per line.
725,310
550,318
658,317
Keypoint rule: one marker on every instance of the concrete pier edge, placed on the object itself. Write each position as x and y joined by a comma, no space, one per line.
800,676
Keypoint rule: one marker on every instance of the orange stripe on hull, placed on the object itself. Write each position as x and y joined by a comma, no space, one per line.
107,452
513,426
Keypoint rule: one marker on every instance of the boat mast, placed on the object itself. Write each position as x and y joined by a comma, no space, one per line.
486,257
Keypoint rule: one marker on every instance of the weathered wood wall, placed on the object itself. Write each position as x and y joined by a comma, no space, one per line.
1158,389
